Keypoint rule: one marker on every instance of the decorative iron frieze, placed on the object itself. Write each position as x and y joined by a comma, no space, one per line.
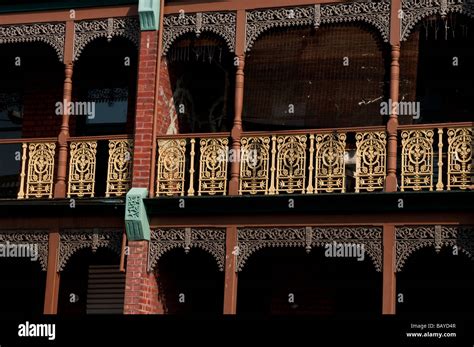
252,239
411,238
291,164
371,158
52,34
171,167
460,148
254,173
119,167
213,166
417,160
220,23
109,95
39,171
375,13
35,237
415,10
330,167
72,240
89,30
82,164
163,240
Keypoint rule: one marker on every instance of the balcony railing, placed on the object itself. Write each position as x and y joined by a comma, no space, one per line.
97,166
316,161
192,165
85,158
436,157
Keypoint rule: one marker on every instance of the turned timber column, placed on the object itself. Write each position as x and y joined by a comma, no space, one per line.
236,133
389,278
60,186
392,124
389,287
52,276
232,245
230,285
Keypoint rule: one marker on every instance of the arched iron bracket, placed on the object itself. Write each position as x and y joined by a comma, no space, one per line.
88,30
414,11
33,237
220,23
374,13
72,240
412,238
252,239
52,34
163,240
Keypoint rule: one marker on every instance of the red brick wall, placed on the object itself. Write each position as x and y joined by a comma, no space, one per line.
145,107
166,107
39,112
141,287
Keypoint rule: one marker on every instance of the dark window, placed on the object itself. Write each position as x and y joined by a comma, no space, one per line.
11,115
106,107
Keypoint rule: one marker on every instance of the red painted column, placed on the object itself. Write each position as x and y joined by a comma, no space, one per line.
389,291
230,283
392,125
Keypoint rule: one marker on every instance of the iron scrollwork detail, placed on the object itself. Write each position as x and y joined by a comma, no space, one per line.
52,34
252,239
36,237
415,10
89,30
412,238
163,240
374,13
220,23
72,240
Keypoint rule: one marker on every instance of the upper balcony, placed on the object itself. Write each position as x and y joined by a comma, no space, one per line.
431,157
100,123
313,115
315,110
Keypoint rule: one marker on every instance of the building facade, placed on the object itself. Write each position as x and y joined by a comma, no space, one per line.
284,156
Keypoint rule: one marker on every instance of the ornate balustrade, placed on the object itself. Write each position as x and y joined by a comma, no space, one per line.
88,154
430,157
319,161
97,166
437,156
196,165
315,161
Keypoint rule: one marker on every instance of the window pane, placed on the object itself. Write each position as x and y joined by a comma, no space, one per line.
110,105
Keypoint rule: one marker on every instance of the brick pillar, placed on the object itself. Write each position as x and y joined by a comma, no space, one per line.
145,108
141,287
149,98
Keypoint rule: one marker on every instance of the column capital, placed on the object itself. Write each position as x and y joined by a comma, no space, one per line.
149,13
